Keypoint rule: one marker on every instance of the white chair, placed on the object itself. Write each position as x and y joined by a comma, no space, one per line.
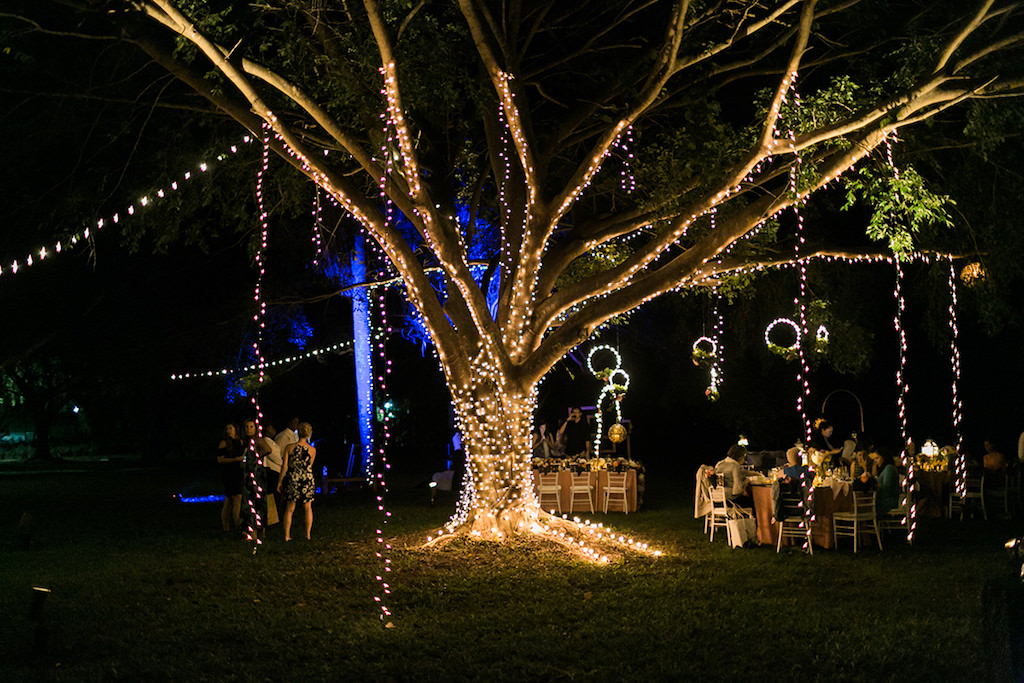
793,523
616,486
548,486
849,523
897,519
720,513
582,485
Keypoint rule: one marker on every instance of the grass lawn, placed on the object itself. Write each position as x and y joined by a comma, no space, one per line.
146,588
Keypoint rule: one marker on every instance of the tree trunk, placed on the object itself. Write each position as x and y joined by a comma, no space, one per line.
494,417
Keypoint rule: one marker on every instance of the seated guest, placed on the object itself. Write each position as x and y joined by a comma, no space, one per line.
794,470
821,441
888,495
994,461
733,477
860,472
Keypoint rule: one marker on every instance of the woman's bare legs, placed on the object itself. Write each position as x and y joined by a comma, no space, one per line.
230,512
289,509
309,518
225,514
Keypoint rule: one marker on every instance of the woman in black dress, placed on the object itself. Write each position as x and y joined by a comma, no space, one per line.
229,458
297,484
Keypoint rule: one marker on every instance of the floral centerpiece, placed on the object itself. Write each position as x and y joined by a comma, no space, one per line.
934,459
547,465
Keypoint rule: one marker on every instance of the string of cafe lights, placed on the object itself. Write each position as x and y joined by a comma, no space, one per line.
341,347
59,247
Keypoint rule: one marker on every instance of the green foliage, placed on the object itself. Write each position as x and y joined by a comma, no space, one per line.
902,206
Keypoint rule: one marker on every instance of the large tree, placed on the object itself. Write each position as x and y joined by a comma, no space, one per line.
624,148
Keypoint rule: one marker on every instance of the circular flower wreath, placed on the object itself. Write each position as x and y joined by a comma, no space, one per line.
704,355
787,352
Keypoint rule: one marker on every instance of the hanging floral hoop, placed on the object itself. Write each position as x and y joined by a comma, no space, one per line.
787,352
705,352
607,372
821,339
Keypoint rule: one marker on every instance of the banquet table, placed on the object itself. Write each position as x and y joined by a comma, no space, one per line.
600,479
932,492
827,500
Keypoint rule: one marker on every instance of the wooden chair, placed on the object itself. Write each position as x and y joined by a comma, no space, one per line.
849,523
792,522
548,487
995,493
971,497
616,486
582,485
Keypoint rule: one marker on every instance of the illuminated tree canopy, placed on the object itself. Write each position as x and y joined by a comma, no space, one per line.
625,149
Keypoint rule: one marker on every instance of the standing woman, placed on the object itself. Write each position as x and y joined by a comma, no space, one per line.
229,458
297,484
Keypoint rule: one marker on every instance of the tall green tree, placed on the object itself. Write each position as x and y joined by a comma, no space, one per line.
541,116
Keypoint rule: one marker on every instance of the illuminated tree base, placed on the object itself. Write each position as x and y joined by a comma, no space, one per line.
582,538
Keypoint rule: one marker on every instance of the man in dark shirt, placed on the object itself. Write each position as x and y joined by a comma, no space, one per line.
575,434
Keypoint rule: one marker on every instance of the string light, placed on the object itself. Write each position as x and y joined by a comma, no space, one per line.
383,552
960,463
803,368
616,384
255,497
902,388
715,379
60,246
341,347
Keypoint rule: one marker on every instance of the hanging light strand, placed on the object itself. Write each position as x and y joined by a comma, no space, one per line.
800,301
255,498
960,462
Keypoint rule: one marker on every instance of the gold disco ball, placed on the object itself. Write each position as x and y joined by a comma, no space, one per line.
617,433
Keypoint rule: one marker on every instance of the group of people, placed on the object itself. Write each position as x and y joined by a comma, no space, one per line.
570,440
279,463
870,470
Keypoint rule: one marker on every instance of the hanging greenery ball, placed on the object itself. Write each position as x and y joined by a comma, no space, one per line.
617,433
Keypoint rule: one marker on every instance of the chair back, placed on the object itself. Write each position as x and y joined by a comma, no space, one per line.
549,480
581,480
617,480
791,504
718,497
864,504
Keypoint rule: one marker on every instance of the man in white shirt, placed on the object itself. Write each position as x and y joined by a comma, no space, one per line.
268,449
289,435
733,476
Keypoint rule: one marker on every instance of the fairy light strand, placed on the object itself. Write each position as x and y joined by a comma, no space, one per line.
960,462
379,475
254,500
